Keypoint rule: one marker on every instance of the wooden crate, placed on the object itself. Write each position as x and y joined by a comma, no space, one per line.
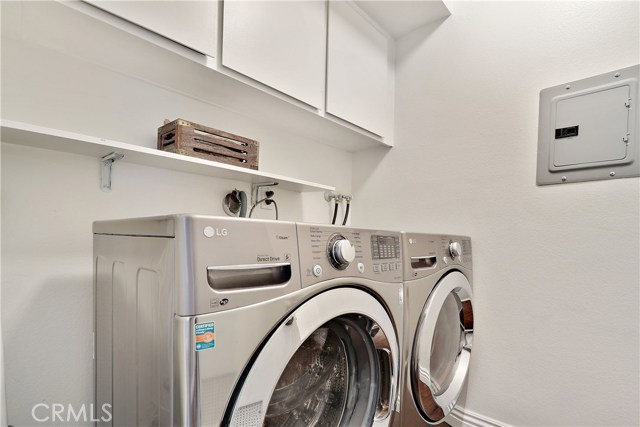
192,139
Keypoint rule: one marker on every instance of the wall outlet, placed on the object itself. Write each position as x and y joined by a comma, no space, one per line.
262,195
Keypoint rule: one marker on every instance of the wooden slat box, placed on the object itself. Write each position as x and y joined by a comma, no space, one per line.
192,139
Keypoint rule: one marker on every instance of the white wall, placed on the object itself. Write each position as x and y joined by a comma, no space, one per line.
50,199
556,268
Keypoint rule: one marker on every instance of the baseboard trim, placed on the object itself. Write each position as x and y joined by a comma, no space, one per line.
473,419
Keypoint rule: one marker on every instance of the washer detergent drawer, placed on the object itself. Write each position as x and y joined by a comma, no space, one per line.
248,276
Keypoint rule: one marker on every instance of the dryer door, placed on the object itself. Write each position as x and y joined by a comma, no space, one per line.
332,362
442,347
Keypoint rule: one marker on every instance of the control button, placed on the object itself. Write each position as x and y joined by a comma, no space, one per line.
385,267
392,266
361,267
376,268
398,266
317,270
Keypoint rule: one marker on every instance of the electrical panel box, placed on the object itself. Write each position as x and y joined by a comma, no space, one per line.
588,129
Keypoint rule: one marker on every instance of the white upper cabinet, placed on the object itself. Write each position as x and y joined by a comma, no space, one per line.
281,44
190,23
358,82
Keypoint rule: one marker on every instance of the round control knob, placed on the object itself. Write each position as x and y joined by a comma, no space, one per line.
340,252
455,249
344,251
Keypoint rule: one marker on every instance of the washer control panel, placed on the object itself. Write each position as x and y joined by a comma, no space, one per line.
329,252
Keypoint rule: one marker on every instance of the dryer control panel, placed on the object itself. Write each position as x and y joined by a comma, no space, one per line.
329,252
428,253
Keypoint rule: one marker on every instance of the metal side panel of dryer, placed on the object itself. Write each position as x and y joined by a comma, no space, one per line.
155,275
438,325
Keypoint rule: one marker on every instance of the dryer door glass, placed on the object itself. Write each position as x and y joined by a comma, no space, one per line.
342,372
442,347
445,346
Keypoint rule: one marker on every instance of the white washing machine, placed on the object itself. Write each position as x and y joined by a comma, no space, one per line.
207,321
438,325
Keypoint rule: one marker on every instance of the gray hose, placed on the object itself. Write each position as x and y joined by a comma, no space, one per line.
243,204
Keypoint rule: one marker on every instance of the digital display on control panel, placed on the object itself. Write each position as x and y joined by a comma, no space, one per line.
385,247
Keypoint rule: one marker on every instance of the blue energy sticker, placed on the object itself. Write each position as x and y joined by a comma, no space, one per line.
205,336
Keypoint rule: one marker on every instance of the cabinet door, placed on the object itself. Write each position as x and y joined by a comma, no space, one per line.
357,69
278,43
190,23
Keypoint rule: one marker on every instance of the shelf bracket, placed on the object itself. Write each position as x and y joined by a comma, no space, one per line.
105,169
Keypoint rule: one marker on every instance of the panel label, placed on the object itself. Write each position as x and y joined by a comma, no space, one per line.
567,132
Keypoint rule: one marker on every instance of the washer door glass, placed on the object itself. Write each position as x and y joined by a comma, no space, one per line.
342,372
442,347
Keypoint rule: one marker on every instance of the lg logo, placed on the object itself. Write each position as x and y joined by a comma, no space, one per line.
215,232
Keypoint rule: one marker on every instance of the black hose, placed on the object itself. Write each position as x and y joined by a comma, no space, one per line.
335,212
346,214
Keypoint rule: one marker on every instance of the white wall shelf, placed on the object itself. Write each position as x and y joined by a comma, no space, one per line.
30,135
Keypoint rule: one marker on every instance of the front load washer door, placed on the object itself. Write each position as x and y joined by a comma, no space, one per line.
442,347
332,362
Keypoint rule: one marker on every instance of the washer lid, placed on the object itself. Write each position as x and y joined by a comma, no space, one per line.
442,347
332,362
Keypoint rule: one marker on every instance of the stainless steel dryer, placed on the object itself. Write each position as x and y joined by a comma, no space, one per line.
206,321
438,325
